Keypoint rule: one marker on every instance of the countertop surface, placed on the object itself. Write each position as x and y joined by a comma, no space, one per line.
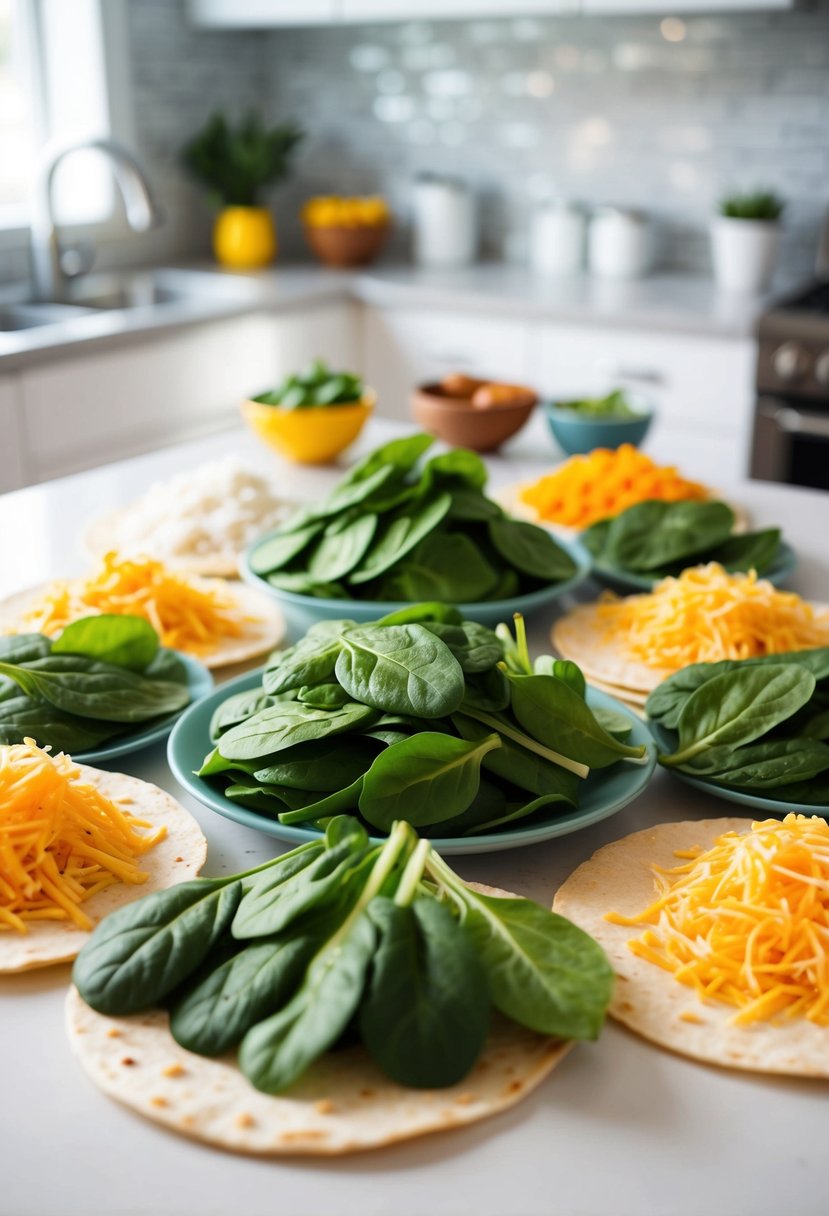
621,1128
669,303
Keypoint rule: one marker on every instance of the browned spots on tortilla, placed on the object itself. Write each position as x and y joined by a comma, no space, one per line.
625,1006
178,859
324,1107
159,1101
688,1016
186,1121
128,1061
80,1030
366,1093
114,1033
245,1119
173,1070
300,1137
465,1099
482,1066
514,1087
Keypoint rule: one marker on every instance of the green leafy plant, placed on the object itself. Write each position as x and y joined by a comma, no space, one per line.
237,163
615,404
340,937
440,722
391,531
757,205
316,386
105,676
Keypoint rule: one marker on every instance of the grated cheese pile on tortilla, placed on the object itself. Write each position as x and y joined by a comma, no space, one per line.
61,840
185,614
747,922
603,483
707,614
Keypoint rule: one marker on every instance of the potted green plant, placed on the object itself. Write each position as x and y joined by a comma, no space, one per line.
744,239
236,164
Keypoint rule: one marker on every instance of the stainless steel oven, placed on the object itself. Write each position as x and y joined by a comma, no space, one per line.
791,426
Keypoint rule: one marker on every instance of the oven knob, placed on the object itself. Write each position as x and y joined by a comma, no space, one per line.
790,361
822,369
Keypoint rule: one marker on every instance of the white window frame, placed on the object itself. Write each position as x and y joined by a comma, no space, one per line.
119,107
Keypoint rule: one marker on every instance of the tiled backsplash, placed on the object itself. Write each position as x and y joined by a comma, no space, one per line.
661,114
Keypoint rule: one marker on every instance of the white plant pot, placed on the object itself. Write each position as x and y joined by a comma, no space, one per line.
744,253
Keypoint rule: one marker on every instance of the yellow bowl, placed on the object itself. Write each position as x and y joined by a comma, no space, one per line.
309,436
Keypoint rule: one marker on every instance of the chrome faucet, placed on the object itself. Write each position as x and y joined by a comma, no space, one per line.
50,272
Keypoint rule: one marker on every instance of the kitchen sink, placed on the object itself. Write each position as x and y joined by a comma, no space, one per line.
154,288
14,317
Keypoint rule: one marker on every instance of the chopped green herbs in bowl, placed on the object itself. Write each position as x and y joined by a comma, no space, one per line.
654,539
397,531
615,404
316,386
582,424
423,716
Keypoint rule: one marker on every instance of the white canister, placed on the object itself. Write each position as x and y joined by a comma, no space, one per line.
445,223
744,253
557,238
619,243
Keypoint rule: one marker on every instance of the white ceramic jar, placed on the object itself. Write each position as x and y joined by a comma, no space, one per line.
445,229
744,253
619,243
557,236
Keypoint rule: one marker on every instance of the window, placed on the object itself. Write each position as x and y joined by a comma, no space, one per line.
53,89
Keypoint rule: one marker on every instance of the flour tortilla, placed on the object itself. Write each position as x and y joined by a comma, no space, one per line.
176,858
101,537
649,1000
263,623
343,1104
582,636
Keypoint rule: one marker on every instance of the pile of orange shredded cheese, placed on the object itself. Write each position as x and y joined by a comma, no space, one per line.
603,483
707,614
747,922
61,839
185,616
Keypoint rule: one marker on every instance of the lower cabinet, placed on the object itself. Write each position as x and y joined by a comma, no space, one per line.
13,471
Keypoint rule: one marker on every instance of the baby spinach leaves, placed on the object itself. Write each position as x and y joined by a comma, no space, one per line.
400,669
385,943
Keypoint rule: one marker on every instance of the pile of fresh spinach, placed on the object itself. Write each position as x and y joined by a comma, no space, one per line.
389,532
758,725
105,676
421,716
657,539
339,942
316,386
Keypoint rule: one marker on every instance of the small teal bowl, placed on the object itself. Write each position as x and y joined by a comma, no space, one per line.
303,611
575,432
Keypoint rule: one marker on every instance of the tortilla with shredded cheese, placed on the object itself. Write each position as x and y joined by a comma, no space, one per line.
177,854
343,1104
619,879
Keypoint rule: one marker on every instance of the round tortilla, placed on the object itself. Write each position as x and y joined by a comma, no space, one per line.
101,537
342,1104
582,636
649,1000
176,858
263,623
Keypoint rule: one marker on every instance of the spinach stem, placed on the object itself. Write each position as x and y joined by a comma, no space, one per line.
521,640
572,766
410,882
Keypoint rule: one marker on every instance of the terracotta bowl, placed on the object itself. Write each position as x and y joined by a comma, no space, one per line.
460,424
347,246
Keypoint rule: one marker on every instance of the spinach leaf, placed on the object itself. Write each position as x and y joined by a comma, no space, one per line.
400,669
761,766
476,648
311,661
167,665
274,1053
91,689
400,454
447,566
614,721
748,551
276,551
488,691
323,696
286,724
521,768
531,550
425,1014
399,535
489,803
421,614
739,706
338,803
341,547
142,951
555,715
123,641
458,465
25,717
515,812
24,647
563,669
654,534
298,582
471,506
326,765
424,779
236,709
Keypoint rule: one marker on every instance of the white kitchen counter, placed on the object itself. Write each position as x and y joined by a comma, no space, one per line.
621,1128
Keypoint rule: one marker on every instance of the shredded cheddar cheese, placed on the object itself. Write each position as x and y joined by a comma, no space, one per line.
603,483
707,614
747,922
185,616
61,840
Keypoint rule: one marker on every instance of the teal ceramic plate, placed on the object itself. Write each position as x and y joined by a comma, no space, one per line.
604,792
625,580
666,742
199,684
303,611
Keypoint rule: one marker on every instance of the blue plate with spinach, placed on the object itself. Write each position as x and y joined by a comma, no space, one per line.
604,792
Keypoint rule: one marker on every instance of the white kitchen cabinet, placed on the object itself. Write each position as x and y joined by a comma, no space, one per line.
114,402
12,455
405,346
410,10
702,388
262,14
667,8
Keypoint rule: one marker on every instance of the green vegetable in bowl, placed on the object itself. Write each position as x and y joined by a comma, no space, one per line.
657,538
614,405
756,725
420,716
316,386
105,676
397,530
341,937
